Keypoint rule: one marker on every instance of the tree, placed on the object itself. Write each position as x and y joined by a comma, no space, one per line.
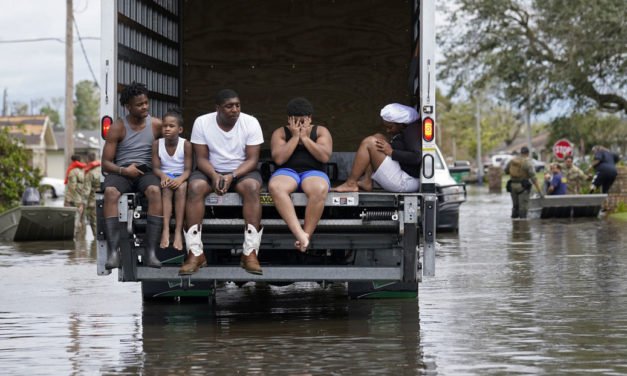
541,51
458,122
87,105
20,109
53,115
16,171
588,129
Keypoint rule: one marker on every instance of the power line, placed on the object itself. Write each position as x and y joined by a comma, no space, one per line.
43,40
85,53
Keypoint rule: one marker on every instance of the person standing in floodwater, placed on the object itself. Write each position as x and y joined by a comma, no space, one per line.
74,193
604,164
92,184
523,175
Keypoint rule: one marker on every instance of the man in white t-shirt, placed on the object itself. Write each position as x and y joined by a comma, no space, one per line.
227,145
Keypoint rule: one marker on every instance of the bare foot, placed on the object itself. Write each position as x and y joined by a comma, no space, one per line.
178,241
365,185
302,243
346,187
165,239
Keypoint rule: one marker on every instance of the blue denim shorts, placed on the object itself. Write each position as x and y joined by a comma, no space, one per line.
299,177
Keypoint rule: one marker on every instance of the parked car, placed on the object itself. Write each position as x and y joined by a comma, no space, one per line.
501,160
451,195
52,186
538,165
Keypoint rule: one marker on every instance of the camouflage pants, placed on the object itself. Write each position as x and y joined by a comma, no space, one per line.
520,200
90,216
79,223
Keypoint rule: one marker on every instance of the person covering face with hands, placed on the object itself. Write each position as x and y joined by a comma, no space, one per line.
301,150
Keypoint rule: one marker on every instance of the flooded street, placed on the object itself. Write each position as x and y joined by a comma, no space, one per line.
509,297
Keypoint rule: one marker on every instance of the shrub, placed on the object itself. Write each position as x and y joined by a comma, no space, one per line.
16,171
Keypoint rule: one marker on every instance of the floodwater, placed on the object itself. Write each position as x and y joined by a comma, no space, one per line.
509,297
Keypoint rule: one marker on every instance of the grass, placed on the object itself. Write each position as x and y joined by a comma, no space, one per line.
619,216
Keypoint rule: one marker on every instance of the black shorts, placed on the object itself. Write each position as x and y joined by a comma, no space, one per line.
251,175
127,185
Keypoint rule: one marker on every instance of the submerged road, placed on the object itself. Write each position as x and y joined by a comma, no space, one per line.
509,297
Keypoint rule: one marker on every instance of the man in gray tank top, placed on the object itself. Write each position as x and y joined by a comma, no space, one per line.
127,166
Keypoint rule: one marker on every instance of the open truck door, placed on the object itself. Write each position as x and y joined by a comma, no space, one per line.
426,93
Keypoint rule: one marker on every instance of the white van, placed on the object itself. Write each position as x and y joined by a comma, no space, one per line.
450,195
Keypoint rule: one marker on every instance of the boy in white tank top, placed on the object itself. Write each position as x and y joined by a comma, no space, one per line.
172,163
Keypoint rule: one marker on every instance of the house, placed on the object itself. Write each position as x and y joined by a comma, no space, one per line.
35,134
47,145
85,141
538,142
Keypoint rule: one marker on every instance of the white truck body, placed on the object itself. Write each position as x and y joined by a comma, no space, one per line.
371,237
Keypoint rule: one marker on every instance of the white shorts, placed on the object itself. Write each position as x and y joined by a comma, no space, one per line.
392,178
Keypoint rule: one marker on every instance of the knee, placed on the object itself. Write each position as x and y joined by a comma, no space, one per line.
250,189
275,188
111,194
195,190
153,193
369,141
181,190
318,193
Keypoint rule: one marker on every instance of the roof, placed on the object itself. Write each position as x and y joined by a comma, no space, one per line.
34,131
83,139
538,142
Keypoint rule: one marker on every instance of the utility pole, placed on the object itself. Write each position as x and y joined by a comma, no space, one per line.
528,118
479,159
5,103
69,84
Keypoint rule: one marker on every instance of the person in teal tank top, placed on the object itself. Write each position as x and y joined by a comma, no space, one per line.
127,166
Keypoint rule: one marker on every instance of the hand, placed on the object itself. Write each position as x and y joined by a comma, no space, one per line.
165,181
222,183
173,184
383,147
294,126
305,128
132,171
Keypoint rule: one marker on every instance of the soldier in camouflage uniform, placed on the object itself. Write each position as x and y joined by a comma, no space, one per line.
92,184
575,178
75,193
522,175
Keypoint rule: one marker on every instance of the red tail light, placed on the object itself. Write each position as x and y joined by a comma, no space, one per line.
105,124
428,129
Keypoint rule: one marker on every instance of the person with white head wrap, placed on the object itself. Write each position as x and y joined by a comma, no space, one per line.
399,113
392,162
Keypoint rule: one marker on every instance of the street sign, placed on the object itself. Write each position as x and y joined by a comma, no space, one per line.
562,148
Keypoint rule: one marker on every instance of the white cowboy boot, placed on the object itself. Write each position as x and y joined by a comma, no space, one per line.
193,240
252,241
195,256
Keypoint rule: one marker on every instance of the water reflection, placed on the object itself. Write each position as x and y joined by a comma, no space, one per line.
539,296
509,297
298,330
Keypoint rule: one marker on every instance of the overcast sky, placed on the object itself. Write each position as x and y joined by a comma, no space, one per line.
36,70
